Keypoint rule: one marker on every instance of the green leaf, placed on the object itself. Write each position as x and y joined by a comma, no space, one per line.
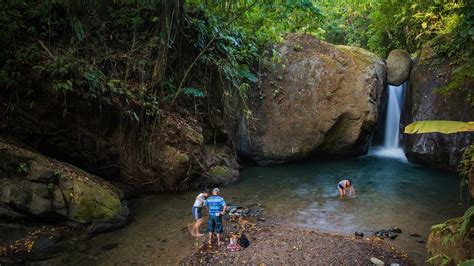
467,263
440,126
246,73
194,92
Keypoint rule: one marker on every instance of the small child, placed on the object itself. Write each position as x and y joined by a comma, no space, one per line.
343,186
233,246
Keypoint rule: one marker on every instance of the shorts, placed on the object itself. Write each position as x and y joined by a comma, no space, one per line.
214,225
340,186
197,212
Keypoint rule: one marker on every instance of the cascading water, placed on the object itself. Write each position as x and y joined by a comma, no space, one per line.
391,147
392,124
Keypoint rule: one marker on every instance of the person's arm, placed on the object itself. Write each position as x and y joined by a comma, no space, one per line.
353,192
224,207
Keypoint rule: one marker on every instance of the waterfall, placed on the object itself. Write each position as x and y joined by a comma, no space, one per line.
391,147
392,123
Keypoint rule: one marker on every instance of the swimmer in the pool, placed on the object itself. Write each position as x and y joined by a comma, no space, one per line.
344,186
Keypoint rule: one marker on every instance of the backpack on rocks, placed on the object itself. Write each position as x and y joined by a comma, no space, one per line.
243,241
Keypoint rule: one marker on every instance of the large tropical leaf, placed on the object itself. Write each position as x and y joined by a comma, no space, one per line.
441,126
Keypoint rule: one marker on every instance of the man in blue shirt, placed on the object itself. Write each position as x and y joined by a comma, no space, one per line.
217,207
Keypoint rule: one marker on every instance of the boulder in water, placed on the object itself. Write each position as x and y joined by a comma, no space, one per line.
321,99
398,67
37,187
423,102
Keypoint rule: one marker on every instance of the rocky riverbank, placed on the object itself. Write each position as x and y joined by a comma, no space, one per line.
272,243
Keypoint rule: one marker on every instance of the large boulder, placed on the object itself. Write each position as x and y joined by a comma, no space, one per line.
319,99
424,102
34,187
398,67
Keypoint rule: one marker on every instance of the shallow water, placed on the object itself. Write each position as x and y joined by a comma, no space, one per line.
389,192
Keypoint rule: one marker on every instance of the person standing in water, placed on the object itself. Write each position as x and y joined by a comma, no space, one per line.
217,207
197,213
344,185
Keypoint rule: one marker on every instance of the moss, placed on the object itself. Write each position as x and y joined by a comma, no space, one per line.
194,136
219,171
361,57
92,203
173,156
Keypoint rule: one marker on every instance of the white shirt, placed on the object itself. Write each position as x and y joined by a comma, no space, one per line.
200,199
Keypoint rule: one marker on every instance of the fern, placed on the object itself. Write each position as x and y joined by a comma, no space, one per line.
194,92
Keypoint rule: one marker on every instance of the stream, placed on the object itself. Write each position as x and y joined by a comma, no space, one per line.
389,192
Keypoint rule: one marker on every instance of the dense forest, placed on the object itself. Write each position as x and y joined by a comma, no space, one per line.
103,101
132,50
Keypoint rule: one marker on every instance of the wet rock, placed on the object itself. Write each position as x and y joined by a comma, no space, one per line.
423,103
398,67
220,166
29,191
359,234
396,230
388,233
294,121
44,242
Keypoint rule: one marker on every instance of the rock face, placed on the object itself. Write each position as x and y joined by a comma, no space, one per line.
398,67
35,187
144,157
422,102
221,164
454,238
320,99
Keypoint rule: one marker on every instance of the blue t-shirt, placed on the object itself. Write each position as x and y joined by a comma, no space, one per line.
215,204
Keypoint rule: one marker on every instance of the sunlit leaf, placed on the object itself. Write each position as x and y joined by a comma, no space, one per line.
440,126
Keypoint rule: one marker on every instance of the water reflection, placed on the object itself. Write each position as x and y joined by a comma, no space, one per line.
389,193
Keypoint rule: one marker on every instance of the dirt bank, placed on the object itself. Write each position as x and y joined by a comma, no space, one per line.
272,243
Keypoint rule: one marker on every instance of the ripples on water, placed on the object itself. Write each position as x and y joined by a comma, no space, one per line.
390,192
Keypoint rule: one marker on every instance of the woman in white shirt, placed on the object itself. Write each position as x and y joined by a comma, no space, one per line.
197,213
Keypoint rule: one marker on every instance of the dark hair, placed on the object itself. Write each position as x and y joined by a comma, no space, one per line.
350,181
207,191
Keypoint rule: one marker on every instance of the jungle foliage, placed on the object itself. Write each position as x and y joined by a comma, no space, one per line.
149,55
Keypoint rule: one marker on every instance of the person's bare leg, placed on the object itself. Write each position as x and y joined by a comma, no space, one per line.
210,239
197,226
191,228
341,193
219,242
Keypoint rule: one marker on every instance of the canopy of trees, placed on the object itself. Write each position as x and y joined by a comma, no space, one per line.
151,54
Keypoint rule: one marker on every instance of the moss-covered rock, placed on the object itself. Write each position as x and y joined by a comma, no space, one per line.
220,166
36,187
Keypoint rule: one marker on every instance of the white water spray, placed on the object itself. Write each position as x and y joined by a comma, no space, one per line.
392,123
391,147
